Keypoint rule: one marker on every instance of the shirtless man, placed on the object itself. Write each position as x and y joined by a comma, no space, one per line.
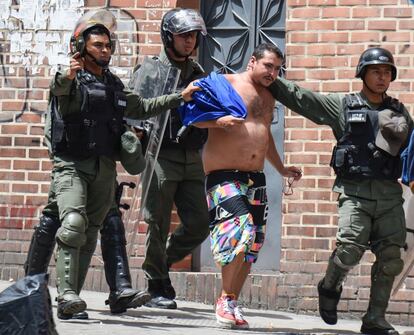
233,160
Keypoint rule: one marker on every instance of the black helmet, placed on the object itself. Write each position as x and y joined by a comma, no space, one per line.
101,18
375,56
180,21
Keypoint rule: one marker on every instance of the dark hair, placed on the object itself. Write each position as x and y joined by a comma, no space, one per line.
259,51
96,30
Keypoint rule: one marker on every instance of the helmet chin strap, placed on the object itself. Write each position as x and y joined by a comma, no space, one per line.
103,64
177,54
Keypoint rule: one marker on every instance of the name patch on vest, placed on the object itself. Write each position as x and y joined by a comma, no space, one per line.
357,116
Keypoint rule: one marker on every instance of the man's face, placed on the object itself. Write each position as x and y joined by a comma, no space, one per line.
378,78
266,69
99,47
184,44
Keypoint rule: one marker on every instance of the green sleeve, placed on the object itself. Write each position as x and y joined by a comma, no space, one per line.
321,109
60,85
140,108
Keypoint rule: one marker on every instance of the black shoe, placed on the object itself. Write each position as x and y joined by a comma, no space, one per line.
77,316
162,302
119,302
70,304
328,301
378,331
169,291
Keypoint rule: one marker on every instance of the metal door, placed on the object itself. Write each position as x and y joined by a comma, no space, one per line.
234,28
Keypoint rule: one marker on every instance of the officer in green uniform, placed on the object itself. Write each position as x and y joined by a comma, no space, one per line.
178,176
85,135
371,129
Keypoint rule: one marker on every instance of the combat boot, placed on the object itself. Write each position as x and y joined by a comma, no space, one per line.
159,298
329,291
373,322
69,302
122,296
168,289
41,245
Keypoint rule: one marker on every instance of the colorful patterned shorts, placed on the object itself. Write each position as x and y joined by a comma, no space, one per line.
237,204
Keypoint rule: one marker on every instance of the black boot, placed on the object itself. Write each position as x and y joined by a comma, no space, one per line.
329,291
122,296
373,322
159,298
168,289
328,302
42,245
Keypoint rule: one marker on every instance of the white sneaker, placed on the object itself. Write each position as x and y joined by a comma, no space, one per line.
241,322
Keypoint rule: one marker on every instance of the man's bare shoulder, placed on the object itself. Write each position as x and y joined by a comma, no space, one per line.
233,78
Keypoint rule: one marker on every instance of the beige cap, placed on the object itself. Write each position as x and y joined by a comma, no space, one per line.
393,131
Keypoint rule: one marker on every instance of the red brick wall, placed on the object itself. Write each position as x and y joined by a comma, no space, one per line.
323,42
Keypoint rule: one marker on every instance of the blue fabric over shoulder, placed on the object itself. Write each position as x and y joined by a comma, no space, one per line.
407,157
217,98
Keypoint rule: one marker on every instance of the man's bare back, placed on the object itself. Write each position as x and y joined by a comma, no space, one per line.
242,147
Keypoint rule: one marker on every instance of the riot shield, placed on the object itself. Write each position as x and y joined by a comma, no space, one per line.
152,79
408,253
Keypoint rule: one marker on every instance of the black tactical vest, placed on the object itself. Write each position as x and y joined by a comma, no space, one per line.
356,156
97,129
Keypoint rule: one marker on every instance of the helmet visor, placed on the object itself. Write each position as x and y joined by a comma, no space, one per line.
185,21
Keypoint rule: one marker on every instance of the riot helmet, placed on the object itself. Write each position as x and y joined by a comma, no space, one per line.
180,21
100,18
373,56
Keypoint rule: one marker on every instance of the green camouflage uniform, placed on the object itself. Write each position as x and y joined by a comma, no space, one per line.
371,215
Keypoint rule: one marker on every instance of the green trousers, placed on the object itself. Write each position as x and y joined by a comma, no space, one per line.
180,183
86,188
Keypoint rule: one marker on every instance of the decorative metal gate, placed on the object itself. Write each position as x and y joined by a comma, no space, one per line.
234,28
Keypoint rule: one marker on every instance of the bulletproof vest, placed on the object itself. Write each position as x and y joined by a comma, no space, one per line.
193,138
356,156
97,128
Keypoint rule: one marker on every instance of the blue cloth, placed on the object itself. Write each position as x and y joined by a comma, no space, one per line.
217,98
407,157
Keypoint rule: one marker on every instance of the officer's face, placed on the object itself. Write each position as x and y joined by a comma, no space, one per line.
184,44
378,78
99,47
265,69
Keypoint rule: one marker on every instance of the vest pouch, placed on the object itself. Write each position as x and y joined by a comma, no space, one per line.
74,136
97,100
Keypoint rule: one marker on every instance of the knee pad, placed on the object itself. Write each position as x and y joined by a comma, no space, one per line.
347,256
113,231
46,229
389,261
72,231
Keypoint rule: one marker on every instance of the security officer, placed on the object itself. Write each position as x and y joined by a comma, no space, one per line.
85,135
178,176
371,129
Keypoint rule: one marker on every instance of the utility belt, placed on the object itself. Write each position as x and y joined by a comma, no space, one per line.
357,162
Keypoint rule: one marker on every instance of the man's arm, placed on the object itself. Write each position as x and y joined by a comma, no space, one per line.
224,122
141,108
273,157
321,109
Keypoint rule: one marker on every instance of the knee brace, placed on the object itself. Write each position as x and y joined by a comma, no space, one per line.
113,231
388,261
347,256
72,231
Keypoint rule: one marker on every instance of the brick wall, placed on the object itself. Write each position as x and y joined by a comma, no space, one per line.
323,42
